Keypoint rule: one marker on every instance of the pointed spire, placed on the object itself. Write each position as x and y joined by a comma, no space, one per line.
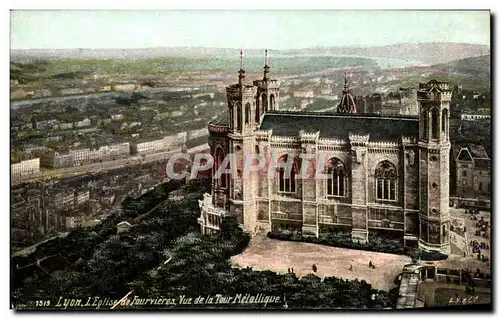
346,81
242,69
241,59
266,67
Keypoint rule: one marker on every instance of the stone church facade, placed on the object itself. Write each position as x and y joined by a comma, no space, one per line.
388,174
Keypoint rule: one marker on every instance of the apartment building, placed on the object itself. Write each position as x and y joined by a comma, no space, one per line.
24,168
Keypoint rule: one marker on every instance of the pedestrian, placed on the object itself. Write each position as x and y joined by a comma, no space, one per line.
314,268
292,271
288,270
350,267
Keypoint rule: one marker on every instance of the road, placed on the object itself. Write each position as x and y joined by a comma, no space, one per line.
99,167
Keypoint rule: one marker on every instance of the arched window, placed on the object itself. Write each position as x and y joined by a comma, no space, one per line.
238,117
255,160
231,115
257,112
425,124
286,179
444,120
219,158
336,184
247,113
434,123
271,101
264,102
386,181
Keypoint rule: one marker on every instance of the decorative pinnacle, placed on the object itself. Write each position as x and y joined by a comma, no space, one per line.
346,84
241,59
242,69
266,67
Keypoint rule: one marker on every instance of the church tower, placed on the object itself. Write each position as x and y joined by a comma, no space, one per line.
243,111
434,153
267,98
241,103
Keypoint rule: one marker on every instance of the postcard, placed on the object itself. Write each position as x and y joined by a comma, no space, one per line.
241,160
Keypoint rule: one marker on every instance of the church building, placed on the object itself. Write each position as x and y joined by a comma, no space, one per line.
387,174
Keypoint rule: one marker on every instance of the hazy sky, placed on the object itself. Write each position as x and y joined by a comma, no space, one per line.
243,29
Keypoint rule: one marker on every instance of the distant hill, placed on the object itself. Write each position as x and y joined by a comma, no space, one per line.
473,73
468,65
428,53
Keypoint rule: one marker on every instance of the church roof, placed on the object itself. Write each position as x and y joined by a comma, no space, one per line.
346,104
223,119
472,152
339,125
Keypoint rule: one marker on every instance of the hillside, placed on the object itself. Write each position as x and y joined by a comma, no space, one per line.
428,53
473,73
480,64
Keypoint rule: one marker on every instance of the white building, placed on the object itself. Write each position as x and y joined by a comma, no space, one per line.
157,146
211,217
82,197
116,116
115,151
64,200
475,117
46,124
149,147
106,88
83,123
125,87
75,221
23,168
86,156
325,91
71,91
65,126
56,160
305,93
42,93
